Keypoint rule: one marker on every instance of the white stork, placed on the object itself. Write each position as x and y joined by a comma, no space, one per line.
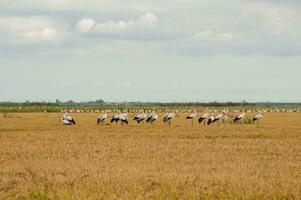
140,117
168,117
203,118
124,118
240,117
67,118
257,118
152,117
116,118
191,117
210,120
101,119
225,117
218,118
120,117
65,122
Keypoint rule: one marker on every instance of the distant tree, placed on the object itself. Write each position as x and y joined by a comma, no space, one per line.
99,101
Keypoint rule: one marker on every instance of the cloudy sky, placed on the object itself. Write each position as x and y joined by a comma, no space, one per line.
167,50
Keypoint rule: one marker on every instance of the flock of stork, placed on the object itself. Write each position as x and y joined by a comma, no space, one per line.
123,118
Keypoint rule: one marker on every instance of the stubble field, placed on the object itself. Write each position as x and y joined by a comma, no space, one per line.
41,159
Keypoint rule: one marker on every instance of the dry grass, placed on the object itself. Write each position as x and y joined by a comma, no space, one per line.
40,159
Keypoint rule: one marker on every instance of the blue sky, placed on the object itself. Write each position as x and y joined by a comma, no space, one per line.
130,50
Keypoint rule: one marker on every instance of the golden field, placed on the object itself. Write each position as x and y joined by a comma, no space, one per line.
41,159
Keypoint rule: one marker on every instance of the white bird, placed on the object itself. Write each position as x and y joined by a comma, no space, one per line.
68,118
120,117
210,120
191,117
168,117
124,118
101,119
140,117
203,118
152,117
225,117
218,118
115,118
65,122
240,117
257,118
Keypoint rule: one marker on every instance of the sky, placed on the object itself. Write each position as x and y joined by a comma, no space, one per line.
159,50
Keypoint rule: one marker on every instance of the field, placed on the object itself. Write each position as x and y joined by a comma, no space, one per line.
40,159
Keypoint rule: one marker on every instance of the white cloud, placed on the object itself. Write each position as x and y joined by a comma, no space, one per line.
209,35
273,20
46,34
30,29
85,25
147,21
78,5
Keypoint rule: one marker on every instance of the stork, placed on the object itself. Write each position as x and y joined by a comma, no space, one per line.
116,118
124,118
101,119
210,120
120,117
203,118
168,117
258,118
240,117
225,117
191,117
68,118
152,117
218,118
140,117
65,122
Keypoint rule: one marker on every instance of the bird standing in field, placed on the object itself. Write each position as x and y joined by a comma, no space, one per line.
101,119
152,117
225,117
191,117
168,117
124,118
218,118
240,117
203,118
140,117
116,118
67,119
210,120
257,118
65,122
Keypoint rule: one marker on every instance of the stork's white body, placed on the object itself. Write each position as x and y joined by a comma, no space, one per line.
240,117
210,120
140,117
218,118
168,117
257,118
65,122
203,118
152,117
225,117
67,118
101,119
191,117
